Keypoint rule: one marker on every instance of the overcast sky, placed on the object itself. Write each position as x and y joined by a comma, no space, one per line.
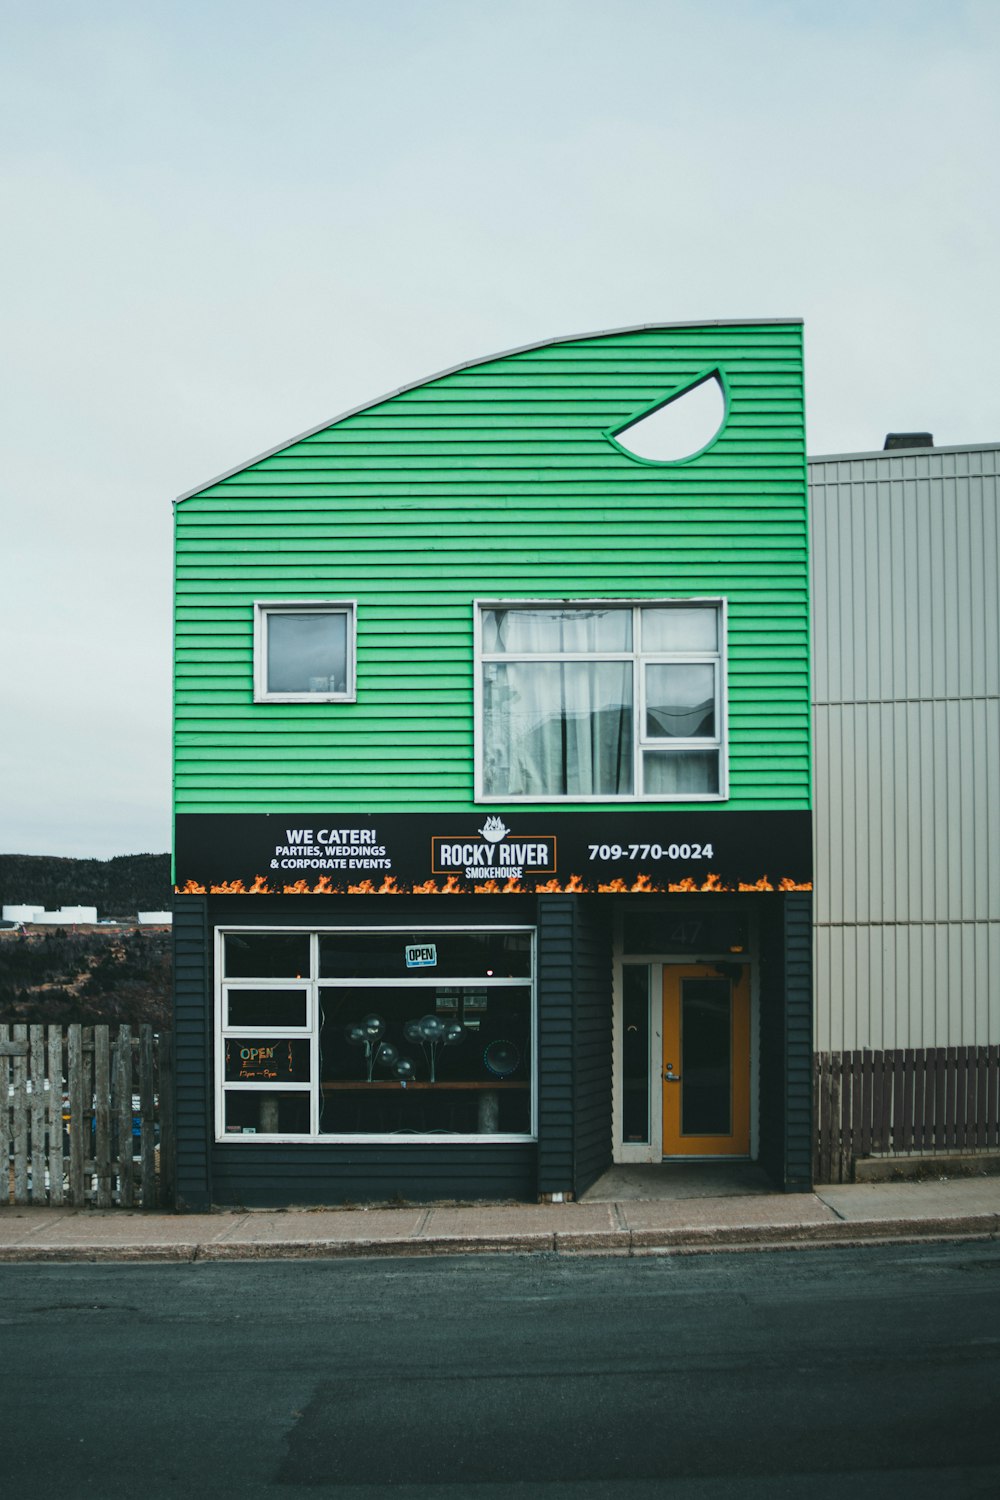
226,220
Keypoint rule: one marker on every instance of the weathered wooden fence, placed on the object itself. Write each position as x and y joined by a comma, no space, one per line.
87,1115
901,1102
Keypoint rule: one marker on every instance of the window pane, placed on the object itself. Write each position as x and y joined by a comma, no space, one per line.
706,1057
464,1056
676,628
680,700
306,653
522,631
680,771
278,1008
255,1111
460,955
558,728
267,955
635,1053
267,1060
697,930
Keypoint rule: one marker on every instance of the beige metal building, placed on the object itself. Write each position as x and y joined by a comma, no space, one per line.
906,694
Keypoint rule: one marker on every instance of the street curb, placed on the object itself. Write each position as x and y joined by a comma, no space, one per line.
625,1243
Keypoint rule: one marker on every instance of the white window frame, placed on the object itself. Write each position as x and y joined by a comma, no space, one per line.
263,608
639,659
314,987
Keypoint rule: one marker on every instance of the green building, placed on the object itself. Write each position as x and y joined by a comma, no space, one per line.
492,783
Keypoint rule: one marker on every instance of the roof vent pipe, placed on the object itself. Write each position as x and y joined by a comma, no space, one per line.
908,440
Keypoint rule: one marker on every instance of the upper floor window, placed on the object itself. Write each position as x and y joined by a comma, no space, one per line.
601,700
304,652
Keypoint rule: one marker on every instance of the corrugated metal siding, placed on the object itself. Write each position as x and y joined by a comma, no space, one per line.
906,620
494,480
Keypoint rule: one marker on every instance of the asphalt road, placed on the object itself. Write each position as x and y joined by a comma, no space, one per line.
848,1373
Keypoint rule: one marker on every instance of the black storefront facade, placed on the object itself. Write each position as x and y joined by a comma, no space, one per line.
376,1043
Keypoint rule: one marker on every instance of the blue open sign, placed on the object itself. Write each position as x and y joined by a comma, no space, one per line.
421,955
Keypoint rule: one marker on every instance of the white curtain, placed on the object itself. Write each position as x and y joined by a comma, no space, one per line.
558,728
520,632
673,773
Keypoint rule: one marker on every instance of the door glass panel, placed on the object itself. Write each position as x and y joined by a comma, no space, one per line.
635,1053
706,1043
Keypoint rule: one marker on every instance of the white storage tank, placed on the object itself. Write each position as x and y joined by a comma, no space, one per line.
65,916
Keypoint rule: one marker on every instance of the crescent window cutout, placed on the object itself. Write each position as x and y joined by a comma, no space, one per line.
679,427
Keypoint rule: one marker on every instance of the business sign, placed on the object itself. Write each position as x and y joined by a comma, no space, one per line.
519,852
494,852
421,955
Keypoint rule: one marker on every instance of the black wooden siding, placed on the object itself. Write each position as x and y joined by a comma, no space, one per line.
193,1051
575,1126
273,1175
316,1174
556,921
574,1063
798,1041
786,1040
592,1063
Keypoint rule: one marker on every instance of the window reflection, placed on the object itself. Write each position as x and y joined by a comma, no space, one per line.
419,1059
457,955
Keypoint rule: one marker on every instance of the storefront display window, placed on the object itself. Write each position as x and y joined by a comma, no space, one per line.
387,1033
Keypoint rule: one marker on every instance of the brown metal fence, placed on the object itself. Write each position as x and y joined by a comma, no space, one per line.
901,1102
87,1115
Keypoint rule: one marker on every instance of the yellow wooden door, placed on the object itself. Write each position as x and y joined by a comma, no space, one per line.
706,1060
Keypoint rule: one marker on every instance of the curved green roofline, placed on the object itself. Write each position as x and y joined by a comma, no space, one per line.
468,364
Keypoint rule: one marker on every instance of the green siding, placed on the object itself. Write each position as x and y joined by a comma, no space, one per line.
494,481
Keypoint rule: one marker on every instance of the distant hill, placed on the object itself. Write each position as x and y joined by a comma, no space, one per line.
118,887
100,975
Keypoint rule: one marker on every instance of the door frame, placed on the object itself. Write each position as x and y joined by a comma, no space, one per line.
702,1145
651,1151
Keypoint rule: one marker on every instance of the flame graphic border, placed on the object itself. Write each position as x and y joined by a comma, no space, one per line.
452,886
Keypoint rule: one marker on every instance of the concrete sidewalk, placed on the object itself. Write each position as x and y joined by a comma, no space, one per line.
850,1215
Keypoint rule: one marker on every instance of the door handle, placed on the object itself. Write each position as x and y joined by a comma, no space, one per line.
670,1076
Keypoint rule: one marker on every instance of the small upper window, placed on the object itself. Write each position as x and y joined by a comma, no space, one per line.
304,653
